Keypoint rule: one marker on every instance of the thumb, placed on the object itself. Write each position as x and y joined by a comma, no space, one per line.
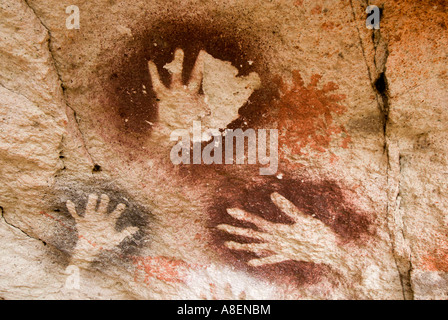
129,231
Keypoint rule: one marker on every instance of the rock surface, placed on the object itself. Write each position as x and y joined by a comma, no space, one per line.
93,207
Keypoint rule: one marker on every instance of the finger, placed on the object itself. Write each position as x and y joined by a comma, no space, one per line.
194,84
157,85
176,67
252,247
118,237
267,261
244,232
72,209
118,211
104,203
248,217
288,207
91,204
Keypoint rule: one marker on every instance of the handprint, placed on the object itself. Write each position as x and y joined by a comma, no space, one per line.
226,92
307,239
181,104
96,229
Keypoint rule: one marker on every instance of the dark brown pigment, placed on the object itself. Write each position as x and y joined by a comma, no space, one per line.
325,200
128,110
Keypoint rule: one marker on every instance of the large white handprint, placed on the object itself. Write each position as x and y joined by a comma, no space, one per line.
179,105
307,239
225,91
96,229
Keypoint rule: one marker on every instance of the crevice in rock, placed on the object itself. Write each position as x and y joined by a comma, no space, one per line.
2,213
382,89
380,85
374,82
400,248
406,264
61,156
360,40
70,112
17,93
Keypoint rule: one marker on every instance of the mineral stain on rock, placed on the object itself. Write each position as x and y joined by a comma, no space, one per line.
437,258
306,115
161,268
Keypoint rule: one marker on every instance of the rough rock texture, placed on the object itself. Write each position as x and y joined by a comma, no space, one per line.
93,208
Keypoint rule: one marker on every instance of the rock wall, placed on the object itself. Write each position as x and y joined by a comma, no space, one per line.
93,206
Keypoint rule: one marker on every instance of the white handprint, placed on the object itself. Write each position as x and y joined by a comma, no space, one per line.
226,92
181,104
96,229
307,239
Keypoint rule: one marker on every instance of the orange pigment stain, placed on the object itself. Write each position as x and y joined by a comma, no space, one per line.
436,260
306,116
161,268
316,10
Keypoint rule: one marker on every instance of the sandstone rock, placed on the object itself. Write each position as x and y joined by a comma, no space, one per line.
92,207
